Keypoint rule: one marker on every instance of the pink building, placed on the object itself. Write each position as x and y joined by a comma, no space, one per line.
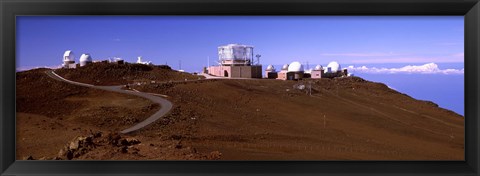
317,72
251,71
236,61
283,73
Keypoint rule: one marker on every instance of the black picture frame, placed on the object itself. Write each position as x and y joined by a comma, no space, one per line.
9,9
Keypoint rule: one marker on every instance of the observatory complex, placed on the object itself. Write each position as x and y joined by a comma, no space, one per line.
69,60
139,61
116,60
333,70
236,61
283,73
85,59
295,71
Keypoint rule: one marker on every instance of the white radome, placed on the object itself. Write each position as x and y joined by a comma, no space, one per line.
318,67
295,67
68,56
85,58
285,67
270,68
334,67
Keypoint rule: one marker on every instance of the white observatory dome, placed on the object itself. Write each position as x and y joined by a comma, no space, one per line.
334,66
85,58
318,67
295,67
285,67
68,56
270,68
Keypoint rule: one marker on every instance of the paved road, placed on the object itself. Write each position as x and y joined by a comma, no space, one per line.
165,105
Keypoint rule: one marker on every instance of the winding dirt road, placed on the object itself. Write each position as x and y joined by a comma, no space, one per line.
165,105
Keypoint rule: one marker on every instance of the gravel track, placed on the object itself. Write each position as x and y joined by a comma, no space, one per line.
165,105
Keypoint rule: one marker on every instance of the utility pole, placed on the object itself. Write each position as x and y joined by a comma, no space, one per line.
310,88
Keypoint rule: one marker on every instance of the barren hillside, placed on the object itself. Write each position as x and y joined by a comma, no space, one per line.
339,119
118,74
345,118
53,115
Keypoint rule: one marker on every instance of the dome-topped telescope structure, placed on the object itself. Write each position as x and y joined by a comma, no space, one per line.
68,56
270,72
85,59
270,68
317,72
68,59
283,72
333,67
334,70
295,71
295,67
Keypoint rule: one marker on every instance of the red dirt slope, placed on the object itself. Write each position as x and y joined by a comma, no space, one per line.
118,74
341,119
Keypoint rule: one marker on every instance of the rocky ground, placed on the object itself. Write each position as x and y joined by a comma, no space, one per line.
344,118
327,119
120,74
57,120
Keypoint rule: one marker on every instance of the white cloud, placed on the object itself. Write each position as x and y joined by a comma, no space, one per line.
390,57
430,68
453,58
116,40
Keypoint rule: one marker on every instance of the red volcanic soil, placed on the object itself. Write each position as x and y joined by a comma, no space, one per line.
342,119
118,74
53,115
339,119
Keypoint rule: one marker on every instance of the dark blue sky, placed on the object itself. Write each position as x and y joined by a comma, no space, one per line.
41,41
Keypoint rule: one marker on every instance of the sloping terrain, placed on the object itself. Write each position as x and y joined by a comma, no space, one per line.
337,119
121,74
51,114
342,119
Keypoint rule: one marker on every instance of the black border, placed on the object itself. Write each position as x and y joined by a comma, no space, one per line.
9,9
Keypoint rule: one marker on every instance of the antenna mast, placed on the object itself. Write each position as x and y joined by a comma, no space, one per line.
258,58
